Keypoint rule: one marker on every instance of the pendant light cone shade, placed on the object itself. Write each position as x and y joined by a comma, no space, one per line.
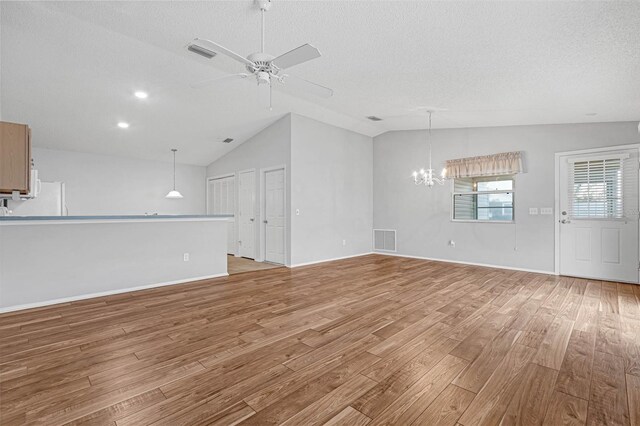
174,193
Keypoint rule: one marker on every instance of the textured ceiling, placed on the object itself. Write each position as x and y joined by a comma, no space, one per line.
70,68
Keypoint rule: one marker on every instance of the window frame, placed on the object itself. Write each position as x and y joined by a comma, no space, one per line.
606,200
511,191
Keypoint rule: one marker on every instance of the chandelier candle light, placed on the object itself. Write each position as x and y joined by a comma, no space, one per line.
174,193
428,177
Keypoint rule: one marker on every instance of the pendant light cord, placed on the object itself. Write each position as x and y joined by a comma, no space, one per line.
174,168
429,140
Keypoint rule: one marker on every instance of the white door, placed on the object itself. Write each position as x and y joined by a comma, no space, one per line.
221,199
599,215
246,214
274,216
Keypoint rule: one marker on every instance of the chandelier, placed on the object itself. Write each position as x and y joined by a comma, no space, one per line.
428,177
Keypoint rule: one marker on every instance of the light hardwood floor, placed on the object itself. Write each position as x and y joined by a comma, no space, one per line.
239,265
364,341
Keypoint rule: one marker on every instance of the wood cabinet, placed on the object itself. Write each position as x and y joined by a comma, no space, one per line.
15,158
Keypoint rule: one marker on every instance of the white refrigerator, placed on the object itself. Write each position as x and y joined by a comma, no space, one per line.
50,201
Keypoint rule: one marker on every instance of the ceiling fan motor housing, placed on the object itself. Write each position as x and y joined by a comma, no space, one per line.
264,4
263,64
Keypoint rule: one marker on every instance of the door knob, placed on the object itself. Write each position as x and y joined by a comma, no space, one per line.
252,219
565,221
264,221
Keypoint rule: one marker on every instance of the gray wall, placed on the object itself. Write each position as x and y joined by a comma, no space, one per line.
422,216
331,179
106,185
270,147
44,263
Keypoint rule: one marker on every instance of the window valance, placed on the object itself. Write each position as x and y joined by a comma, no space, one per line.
506,163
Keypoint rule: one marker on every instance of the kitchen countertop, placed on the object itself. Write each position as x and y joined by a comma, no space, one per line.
32,220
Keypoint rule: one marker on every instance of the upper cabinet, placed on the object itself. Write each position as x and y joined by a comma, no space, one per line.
15,158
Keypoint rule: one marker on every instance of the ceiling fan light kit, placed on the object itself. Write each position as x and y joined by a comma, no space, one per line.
264,67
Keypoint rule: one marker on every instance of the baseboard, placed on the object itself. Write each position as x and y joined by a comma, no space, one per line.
297,265
486,265
104,293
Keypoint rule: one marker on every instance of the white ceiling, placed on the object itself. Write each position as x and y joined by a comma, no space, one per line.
70,68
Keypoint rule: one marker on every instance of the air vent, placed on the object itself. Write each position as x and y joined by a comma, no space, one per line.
384,239
374,118
227,140
201,51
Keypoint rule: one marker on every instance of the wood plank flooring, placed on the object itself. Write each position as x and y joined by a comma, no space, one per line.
239,265
365,341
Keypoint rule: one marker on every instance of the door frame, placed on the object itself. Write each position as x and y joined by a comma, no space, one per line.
235,203
256,201
556,215
263,201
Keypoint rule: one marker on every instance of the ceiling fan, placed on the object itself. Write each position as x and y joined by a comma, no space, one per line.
265,68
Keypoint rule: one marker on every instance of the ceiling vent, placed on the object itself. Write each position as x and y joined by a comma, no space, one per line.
227,140
201,51
374,118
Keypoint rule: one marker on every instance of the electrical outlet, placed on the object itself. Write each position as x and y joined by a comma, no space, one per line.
185,257
344,242
452,243
533,211
546,210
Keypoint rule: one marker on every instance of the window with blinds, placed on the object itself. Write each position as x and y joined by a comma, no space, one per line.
483,199
596,188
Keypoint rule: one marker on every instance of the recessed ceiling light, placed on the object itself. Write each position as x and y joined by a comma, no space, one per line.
123,125
227,140
374,118
141,95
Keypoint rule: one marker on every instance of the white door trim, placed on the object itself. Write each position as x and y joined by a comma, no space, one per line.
559,155
263,228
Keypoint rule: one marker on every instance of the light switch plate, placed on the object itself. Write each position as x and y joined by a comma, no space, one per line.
546,210
533,211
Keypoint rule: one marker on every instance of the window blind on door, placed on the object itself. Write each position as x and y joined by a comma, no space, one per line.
596,187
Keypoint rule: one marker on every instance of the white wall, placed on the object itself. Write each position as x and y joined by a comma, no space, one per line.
105,185
270,147
422,216
331,185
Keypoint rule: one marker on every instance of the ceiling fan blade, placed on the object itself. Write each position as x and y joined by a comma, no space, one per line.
212,81
301,54
207,45
308,86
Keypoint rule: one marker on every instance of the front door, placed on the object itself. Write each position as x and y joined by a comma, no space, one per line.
246,214
599,215
274,216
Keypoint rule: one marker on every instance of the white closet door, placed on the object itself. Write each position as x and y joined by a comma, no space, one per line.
274,216
222,201
246,214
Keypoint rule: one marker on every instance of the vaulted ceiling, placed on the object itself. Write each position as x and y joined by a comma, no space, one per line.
69,69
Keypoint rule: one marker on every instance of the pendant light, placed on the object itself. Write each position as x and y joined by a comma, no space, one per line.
428,177
174,193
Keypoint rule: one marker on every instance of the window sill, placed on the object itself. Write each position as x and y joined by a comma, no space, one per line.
502,222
